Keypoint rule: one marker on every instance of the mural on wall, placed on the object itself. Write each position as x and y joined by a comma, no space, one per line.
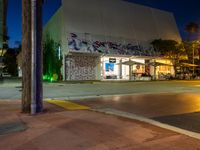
81,67
78,44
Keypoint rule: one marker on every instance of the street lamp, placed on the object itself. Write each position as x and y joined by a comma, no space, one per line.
194,44
193,58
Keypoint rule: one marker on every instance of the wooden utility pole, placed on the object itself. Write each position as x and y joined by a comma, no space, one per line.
32,56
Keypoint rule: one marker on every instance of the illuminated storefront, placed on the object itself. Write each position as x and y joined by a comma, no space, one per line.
100,42
141,70
111,68
118,70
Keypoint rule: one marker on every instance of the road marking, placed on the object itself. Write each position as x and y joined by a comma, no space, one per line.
115,112
68,105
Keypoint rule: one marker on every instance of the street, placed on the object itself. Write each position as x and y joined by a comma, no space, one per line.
62,90
164,101
160,104
176,103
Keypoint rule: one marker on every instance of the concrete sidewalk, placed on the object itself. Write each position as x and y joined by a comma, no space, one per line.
59,129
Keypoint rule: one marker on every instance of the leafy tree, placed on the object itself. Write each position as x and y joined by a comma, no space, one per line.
51,62
169,49
10,61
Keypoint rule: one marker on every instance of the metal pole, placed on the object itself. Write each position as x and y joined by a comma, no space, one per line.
193,57
130,73
154,69
33,56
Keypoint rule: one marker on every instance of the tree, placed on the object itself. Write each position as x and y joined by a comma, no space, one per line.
52,63
26,56
10,61
39,55
191,28
5,37
169,49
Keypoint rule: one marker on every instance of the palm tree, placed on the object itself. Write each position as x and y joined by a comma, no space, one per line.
26,55
191,28
5,37
3,34
39,53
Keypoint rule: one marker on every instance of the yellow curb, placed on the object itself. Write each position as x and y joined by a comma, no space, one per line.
68,105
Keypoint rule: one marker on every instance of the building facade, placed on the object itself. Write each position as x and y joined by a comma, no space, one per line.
110,39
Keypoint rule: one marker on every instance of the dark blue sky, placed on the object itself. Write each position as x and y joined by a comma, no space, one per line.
184,12
14,18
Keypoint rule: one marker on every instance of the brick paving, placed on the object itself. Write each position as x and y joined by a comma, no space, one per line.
59,129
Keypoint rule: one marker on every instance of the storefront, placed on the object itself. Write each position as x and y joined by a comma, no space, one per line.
111,68
125,68
100,42
163,69
122,68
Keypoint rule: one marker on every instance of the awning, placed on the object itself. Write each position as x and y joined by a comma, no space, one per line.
188,65
158,64
130,63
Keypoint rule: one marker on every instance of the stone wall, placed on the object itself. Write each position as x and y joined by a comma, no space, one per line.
81,67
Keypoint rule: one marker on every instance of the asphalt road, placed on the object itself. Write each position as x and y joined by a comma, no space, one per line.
175,103
11,89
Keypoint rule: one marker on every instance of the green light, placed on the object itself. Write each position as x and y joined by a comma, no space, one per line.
45,77
52,60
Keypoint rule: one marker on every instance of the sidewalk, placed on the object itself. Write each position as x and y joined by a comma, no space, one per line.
59,129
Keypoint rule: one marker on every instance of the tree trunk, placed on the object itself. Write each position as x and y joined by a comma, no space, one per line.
39,63
26,56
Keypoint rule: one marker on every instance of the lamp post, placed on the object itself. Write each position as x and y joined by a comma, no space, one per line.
193,58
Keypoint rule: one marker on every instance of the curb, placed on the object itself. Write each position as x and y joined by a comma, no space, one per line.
149,121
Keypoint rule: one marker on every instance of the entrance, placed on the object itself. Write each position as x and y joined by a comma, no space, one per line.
117,68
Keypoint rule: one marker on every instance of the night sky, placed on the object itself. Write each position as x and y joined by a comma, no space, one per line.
184,11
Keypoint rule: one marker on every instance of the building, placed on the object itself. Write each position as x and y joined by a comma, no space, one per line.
3,29
110,39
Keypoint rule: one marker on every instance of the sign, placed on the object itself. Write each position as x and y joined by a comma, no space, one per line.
112,60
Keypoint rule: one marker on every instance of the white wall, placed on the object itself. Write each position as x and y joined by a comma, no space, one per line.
116,18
